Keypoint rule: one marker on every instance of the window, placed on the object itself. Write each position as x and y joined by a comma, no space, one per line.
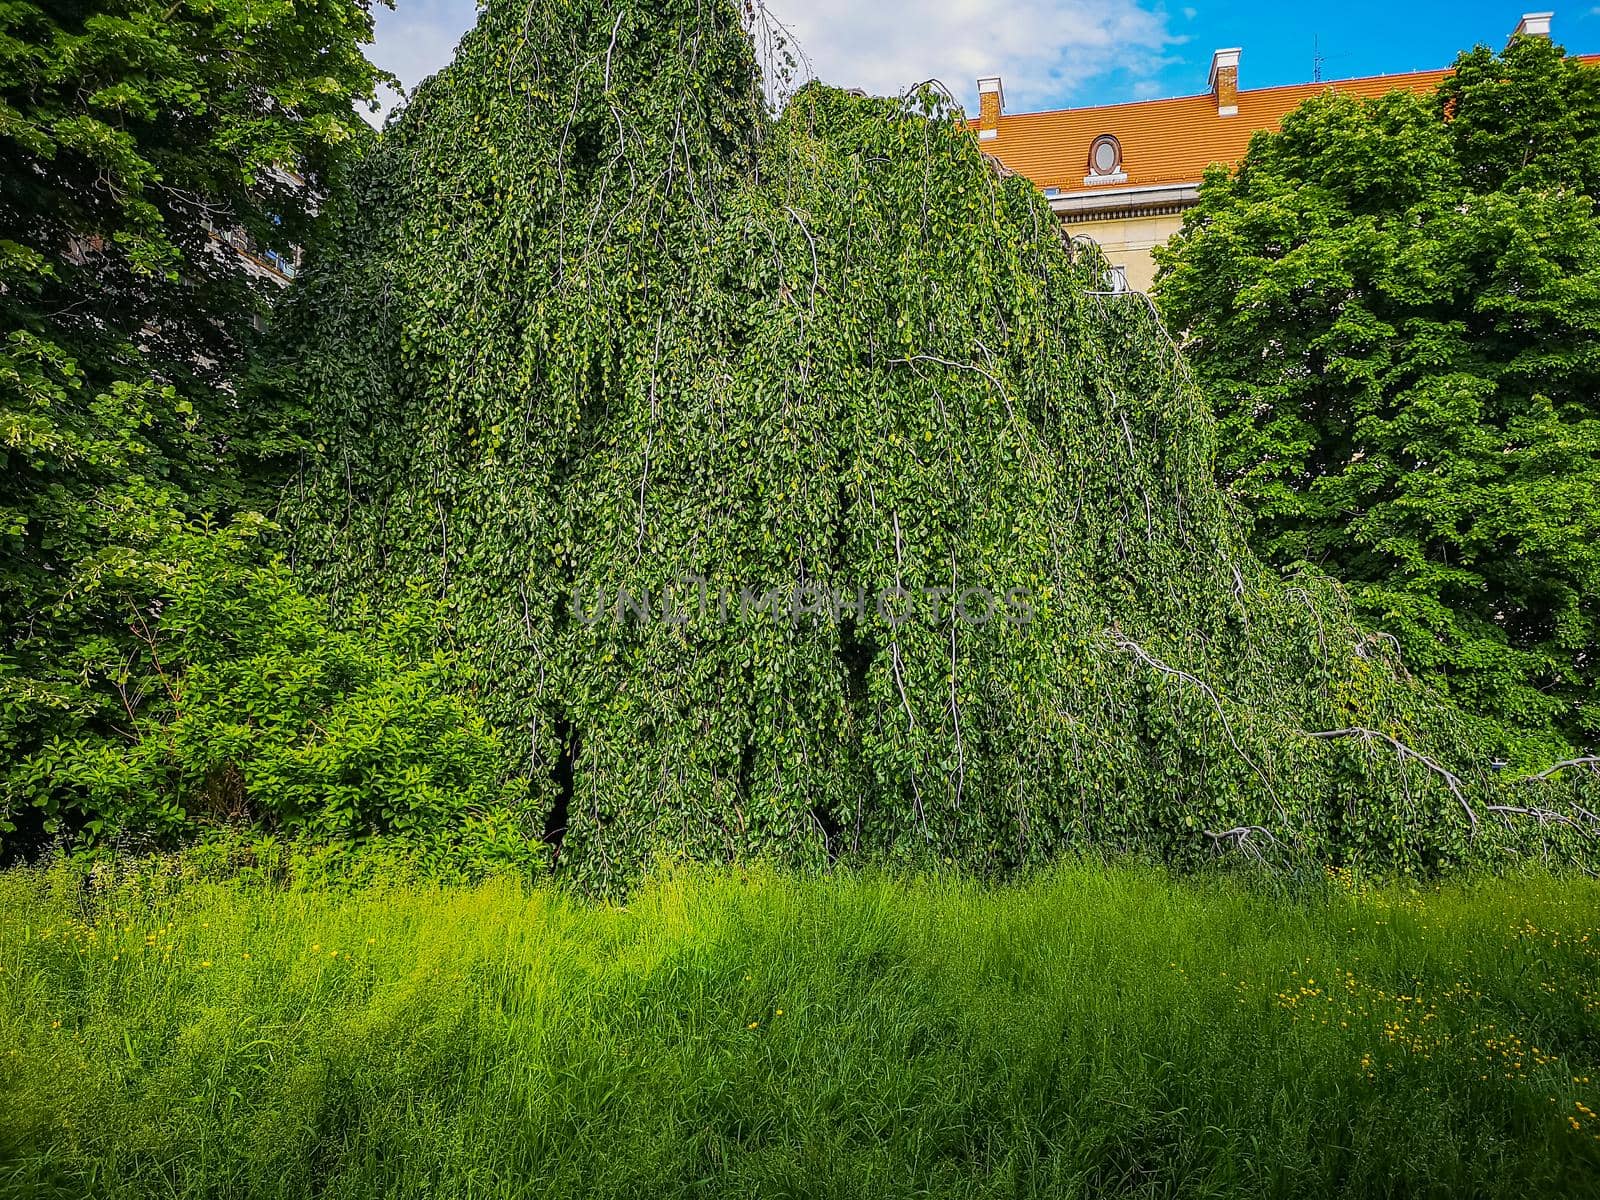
282,263
1105,156
1117,279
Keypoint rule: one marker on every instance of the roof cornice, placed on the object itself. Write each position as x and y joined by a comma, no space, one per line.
1111,199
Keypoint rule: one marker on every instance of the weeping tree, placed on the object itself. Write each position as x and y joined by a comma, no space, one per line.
797,493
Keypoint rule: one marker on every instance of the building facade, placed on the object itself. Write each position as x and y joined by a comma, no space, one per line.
1123,174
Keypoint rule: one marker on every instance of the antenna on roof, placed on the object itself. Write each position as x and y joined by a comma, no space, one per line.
1316,58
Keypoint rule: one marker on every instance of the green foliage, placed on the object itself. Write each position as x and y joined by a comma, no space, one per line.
598,323
1098,1031
1395,307
132,133
127,126
243,706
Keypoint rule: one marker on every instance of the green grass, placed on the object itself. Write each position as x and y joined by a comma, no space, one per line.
1091,1032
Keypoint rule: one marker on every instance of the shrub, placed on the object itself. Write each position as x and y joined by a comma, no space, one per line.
243,704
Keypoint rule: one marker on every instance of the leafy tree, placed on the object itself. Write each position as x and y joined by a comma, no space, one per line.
131,133
1395,307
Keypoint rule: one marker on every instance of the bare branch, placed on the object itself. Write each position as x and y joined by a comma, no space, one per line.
1240,836
1544,816
1592,761
611,48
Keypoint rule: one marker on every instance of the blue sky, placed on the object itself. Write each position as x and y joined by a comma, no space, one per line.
1054,53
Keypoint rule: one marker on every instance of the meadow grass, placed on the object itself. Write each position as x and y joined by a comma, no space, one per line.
1092,1031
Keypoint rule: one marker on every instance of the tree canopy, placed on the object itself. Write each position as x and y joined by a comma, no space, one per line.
598,328
132,135
1394,306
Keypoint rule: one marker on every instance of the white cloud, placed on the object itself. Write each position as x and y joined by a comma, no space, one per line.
416,39
1049,52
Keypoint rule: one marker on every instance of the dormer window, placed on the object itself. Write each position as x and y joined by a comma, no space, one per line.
1105,161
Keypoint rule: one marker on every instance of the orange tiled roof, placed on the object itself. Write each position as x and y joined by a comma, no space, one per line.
1166,141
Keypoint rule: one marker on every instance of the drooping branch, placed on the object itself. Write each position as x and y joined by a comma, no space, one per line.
1591,761
1127,644
999,387
899,674
1547,816
1240,836
955,700
1406,752
751,442
815,276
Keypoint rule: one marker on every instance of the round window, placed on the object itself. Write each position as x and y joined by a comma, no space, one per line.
1105,156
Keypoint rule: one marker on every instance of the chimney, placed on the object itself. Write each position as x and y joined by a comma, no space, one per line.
991,103
1534,25
1224,81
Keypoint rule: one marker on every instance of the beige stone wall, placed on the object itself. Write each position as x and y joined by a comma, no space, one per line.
1127,241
